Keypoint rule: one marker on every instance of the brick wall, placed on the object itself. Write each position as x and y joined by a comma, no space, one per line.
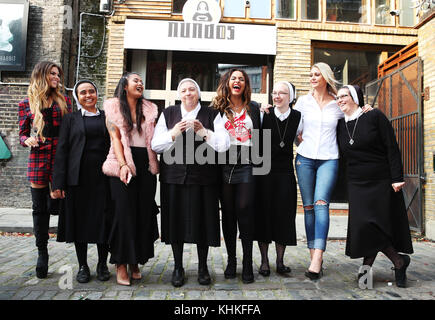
426,40
48,38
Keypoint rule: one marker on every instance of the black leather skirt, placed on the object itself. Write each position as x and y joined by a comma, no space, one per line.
237,173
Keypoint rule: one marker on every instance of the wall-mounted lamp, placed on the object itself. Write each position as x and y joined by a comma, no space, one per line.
395,12
247,4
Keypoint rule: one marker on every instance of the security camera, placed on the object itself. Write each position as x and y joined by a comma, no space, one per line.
395,12
248,4
105,6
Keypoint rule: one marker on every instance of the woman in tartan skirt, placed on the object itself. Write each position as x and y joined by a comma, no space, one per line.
40,116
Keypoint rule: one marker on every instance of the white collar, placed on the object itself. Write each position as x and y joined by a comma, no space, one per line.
355,115
282,116
86,113
189,114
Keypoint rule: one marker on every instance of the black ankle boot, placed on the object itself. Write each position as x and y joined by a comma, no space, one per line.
230,271
247,272
203,276
84,274
42,264
103,273
400,274
178,277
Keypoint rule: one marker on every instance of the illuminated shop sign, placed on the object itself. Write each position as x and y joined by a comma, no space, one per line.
200,30
13,34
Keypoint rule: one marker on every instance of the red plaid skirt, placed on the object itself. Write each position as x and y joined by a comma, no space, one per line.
41,159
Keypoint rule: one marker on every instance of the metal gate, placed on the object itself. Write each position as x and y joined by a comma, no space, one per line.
398,95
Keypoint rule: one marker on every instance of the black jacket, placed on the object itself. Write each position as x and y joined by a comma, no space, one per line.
70,148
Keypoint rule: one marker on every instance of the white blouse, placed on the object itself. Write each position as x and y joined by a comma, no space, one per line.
219,140
319,132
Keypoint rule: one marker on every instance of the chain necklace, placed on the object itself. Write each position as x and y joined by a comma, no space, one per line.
351,141
281,138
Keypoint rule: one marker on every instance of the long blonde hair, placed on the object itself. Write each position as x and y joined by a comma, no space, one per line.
328,75
39,90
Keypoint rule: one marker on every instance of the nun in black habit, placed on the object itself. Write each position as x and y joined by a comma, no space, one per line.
378,220
189,188
83,145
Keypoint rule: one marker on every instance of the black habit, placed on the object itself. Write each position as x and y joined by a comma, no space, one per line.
83,146
276,211
189,192
377,214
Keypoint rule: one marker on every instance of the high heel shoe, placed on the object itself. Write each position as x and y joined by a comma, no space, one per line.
122,277
314,275
135,271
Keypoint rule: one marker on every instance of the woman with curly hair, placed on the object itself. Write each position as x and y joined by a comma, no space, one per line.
241,116
132,166
40,117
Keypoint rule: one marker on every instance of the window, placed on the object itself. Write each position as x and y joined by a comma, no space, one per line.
347,10
156,70
206,68
356,65
382,12
234,8
407,16
310,9
260,9
285,9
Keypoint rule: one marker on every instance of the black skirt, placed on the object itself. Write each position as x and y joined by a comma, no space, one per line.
86,215
237,173
275,212
377,219
134,228
190,214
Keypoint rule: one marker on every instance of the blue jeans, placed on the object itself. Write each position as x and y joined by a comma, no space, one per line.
316,179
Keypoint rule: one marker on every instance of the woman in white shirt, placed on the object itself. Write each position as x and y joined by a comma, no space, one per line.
317,160
189,185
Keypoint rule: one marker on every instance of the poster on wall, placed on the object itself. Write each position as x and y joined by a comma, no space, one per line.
13,34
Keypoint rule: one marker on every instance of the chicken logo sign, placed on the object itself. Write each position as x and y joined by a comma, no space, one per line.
207,11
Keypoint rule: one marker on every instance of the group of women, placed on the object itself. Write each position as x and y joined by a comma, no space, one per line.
104,163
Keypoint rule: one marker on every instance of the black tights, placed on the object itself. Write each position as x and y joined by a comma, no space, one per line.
391,254
82,253
264,247
237,207
177,251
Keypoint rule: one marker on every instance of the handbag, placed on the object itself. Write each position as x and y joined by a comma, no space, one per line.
4,150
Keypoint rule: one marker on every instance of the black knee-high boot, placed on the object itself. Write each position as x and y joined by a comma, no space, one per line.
247,271
41,221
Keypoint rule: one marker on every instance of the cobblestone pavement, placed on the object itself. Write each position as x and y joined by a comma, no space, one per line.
18,280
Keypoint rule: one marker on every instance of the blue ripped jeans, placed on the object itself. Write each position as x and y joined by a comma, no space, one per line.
316,179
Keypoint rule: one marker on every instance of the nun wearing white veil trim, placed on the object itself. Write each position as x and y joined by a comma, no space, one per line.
77,176
276,211
189,186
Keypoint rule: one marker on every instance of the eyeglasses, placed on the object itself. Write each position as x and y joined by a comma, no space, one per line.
341,97
274,94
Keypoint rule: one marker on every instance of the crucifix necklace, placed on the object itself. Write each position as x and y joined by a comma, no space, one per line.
351,141
281,138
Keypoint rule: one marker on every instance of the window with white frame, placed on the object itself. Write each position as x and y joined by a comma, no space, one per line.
285,9
347,10
310,10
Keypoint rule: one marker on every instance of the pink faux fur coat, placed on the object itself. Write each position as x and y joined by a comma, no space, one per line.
113,114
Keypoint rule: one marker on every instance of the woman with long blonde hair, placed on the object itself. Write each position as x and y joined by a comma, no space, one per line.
40,116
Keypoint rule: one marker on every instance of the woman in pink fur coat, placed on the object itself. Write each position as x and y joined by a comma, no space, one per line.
132,166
